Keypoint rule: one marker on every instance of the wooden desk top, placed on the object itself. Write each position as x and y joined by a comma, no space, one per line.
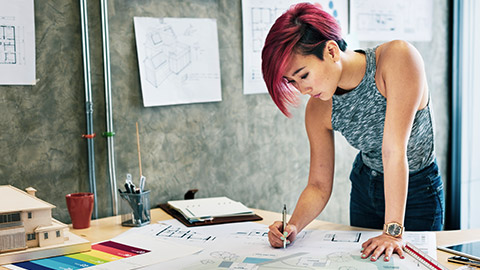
107,228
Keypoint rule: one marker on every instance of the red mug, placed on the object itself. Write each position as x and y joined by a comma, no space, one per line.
80,208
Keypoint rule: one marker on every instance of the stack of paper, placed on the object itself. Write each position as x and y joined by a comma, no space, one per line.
208,208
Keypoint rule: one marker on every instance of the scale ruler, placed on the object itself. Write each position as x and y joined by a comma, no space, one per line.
420,256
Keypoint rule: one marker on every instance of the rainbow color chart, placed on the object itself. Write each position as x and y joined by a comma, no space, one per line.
101,253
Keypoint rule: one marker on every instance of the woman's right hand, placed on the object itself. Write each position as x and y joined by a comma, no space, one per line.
275,236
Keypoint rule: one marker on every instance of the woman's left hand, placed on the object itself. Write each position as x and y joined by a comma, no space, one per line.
382,244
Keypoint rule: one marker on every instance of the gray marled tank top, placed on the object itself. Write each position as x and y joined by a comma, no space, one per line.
360,115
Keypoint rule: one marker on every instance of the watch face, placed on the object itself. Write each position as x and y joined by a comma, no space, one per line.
394,229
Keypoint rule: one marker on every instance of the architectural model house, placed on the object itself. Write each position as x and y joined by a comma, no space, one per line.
26,221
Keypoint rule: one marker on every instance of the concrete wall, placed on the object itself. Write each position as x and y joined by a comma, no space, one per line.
242,147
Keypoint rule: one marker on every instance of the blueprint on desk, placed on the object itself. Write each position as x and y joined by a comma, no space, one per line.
245,246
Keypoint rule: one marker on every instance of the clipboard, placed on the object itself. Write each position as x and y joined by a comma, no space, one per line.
217,220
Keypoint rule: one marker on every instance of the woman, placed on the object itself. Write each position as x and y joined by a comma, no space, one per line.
379,100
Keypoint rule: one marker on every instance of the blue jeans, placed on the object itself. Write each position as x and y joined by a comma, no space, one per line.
425,199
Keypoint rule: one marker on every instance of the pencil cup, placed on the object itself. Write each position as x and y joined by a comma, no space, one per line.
135,209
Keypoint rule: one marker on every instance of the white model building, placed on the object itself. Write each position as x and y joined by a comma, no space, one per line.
26,221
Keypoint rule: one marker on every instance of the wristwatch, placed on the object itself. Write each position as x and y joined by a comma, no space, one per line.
393,229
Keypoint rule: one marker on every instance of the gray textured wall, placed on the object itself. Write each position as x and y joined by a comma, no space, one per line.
242,147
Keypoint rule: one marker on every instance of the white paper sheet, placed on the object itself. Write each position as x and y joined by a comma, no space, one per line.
204,208
17,42
245,246
258,17
378,20
178,60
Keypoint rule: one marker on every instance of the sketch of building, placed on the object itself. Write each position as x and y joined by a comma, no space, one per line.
178,60
26,221
164,54
8,54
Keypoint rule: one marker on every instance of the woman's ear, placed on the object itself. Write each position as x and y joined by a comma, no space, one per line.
332,51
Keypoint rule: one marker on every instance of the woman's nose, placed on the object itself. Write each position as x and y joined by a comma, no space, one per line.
305,90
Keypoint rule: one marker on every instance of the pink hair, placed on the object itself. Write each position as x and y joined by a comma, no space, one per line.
303,28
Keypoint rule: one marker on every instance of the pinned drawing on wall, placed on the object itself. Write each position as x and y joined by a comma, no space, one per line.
377,20
258,17
17,42
178,60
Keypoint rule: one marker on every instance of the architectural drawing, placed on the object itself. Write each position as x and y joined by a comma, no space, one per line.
17,42
380,22
168,232
262,20
397,19
165,55
245,246
263,17
8,53
351,237
26,221
178,60
258,17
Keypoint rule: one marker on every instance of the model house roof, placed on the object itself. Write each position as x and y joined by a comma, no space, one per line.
15,200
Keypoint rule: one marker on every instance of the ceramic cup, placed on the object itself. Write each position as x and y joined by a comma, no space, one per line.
80,207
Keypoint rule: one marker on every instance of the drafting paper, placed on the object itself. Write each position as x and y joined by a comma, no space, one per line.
17,42
258,17
245,246
178,60
378,20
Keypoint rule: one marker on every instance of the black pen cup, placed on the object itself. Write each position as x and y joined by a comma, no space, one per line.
135,209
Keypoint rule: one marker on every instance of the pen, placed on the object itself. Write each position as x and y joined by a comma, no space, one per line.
142,183
464,260
284,225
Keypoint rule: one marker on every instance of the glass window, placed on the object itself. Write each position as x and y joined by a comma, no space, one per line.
5,218
15,217
31,236
58,233
45,235
29,215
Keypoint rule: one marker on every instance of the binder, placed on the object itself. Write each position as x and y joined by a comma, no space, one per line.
215,220
195,210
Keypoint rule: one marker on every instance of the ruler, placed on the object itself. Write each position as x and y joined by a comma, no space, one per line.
422,257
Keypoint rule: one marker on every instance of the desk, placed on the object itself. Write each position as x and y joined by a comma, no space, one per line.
107,228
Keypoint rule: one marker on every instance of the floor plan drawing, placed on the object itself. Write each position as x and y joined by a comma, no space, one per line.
178,60
17,42
8,54
376,20
168,232
258,17
245,246
262,20
380,21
